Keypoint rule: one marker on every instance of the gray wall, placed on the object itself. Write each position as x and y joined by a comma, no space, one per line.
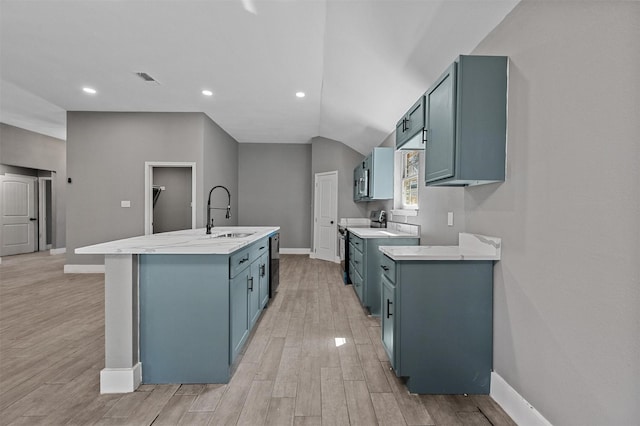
275,190
172,209
23,148
329,155
433,206
220,157
567,290
106,152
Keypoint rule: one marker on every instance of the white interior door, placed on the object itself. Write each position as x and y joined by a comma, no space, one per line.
326,216
17,215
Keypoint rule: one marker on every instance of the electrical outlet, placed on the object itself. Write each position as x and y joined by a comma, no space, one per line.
125,203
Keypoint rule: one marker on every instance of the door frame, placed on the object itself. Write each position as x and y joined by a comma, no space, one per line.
316,210
42,213
148,191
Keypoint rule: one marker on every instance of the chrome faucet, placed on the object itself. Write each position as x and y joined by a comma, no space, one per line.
209,208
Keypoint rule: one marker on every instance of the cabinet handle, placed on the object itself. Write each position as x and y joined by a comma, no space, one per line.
243,260
385,268
389,302
262,248
251,287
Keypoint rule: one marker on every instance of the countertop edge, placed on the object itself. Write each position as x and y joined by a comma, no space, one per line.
181,246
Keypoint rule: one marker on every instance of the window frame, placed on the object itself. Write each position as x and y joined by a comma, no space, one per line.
409,179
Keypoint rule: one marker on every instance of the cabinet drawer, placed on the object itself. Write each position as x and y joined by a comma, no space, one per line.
239,261
356,241
388,268
259,248
357,260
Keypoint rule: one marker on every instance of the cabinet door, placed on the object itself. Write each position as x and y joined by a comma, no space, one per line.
253,288
264,279
356,279
415,118
441,127
388,318
239,316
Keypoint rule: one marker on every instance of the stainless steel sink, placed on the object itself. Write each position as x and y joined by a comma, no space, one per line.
234,235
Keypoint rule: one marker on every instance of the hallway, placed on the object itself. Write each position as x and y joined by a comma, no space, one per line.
315,358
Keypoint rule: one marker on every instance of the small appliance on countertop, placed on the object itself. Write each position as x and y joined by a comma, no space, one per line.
378,219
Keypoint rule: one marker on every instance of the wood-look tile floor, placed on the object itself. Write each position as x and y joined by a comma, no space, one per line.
315,358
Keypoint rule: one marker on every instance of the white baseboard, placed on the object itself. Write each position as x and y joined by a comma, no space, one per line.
120,380
53,251
84,269
514,404
294,251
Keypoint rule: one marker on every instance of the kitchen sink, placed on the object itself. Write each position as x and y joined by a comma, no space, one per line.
234,235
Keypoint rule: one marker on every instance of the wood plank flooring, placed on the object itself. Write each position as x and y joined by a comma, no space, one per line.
315,358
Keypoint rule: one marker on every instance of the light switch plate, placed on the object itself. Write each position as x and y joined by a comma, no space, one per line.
450,218
125,203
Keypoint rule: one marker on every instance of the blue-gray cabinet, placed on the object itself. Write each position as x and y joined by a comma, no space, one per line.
364,259
410,128
197,311
437,324
387,324
264,279
239,313
466,123
373,177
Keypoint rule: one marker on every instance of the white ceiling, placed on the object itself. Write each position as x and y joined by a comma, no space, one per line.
362,63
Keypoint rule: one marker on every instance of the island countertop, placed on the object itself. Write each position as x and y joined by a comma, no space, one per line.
188,241
470,247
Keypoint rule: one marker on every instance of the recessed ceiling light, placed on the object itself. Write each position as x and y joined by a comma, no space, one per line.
89,90
300,94
207,92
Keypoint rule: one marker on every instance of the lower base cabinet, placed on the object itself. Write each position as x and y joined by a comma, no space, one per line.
437,324
364,264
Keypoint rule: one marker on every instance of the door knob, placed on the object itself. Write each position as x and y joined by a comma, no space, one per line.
331,222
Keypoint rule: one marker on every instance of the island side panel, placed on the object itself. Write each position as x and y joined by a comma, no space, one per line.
122,368
184,318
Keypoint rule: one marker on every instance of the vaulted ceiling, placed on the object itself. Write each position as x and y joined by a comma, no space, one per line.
361,63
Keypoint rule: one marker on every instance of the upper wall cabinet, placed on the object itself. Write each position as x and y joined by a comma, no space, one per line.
466,114
373,177
410,128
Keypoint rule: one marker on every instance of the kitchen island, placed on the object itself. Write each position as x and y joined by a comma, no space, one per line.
180,304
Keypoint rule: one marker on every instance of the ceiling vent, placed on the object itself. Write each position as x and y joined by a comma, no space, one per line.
146,77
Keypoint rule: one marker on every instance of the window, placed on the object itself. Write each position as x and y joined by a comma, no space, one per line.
410,164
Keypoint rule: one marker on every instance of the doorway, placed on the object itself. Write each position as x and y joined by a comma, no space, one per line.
170,196
18,214
325,222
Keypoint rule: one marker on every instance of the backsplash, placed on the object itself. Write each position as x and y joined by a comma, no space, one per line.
407,228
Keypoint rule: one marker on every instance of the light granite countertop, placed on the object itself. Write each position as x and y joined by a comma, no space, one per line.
470,247
393,230
188,241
